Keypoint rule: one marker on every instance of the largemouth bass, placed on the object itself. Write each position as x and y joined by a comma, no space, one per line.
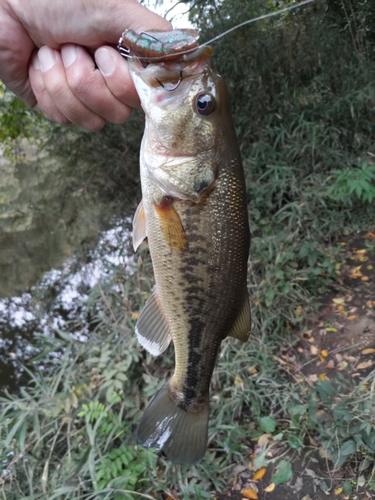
194,214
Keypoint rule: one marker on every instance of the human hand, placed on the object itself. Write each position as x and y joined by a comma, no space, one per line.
46,57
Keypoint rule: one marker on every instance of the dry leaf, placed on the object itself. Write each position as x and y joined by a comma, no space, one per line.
340,308
334,330
370,350
263,440
339,300
322,377
252,371
365,278
364,365
299,311
338,491
270,488
250,493
342,365
330,365
370,267
324,353
362,252
350,318
314,350
259,473
313,377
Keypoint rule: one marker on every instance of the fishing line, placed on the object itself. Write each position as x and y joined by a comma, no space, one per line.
126,53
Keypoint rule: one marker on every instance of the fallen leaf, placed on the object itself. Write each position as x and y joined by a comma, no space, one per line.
370,267
299,311
365,278
338,491
135,316
330,365
339,300
263,440
331,330
322,377
250,493
324,353
238,382
270,488
340,308
364,365
369,350
252,371
362,252
259,474
362,258
314,350
342,365
350,318
313,377
370,236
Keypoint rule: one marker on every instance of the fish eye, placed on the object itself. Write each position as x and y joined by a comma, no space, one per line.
205,104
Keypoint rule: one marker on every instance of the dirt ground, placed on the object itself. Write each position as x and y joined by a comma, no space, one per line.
340,338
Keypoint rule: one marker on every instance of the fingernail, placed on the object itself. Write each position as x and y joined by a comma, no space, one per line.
35,62
47,58
69,54
104,60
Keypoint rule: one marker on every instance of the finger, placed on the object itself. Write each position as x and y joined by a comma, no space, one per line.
89,86
44,103
126,14
57,86
115,71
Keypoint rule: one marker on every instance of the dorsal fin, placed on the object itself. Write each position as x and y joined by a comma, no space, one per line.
242,326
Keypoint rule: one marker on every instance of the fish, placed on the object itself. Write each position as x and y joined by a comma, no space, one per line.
194,215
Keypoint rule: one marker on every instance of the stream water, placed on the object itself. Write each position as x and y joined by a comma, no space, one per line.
56,241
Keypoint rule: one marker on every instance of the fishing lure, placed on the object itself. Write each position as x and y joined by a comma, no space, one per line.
172,44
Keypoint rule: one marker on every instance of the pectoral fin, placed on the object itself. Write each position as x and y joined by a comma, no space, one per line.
242,327
139,226
152,328
171,225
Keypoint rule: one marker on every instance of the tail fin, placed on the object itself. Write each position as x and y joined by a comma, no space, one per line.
180,434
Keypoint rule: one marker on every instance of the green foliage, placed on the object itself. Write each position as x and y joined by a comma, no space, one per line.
18,121
125,467
284,473
345,419
357,183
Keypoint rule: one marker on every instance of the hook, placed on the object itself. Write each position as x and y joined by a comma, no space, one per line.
175,87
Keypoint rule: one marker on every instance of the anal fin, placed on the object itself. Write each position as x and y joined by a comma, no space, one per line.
152,328
242,326
139,226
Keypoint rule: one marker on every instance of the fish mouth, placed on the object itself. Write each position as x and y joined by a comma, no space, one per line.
165,72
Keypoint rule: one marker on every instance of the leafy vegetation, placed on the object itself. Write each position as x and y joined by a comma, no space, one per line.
303,96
